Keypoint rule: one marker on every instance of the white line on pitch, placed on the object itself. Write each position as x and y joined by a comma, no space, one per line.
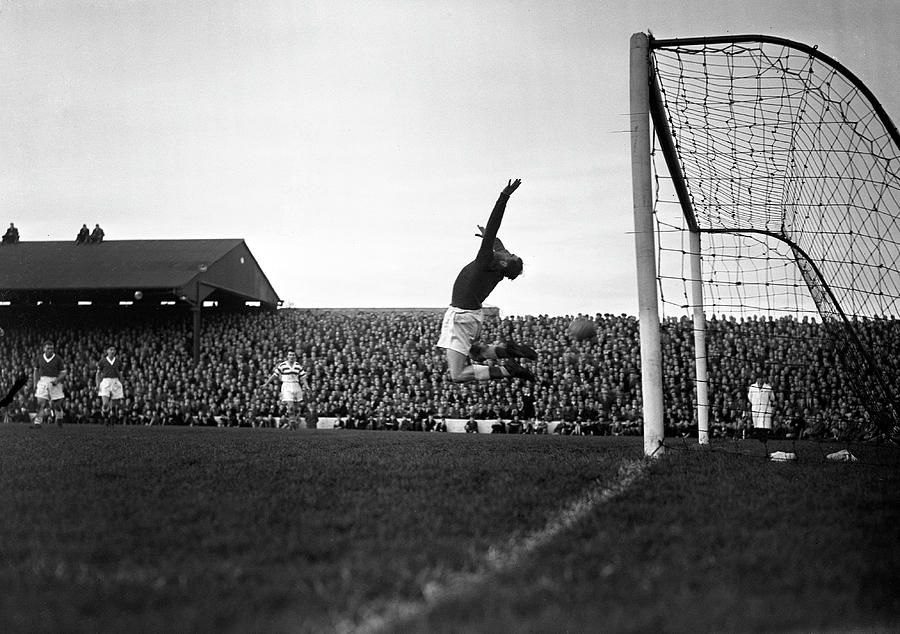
382,616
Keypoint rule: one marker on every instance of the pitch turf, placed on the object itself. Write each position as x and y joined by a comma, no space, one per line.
188,529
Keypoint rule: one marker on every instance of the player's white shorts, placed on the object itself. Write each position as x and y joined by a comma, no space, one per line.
762,419
111,388
460,329
47,390
291,392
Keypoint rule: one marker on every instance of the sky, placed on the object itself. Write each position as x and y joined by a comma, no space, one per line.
355,146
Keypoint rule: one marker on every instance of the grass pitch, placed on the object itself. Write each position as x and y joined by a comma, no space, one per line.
195,529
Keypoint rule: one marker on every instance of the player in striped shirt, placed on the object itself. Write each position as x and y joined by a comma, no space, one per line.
293,382
109,386
49,372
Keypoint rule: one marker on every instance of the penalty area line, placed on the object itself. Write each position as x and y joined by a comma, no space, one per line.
380,616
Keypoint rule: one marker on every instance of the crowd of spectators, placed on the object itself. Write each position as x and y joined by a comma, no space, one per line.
380,370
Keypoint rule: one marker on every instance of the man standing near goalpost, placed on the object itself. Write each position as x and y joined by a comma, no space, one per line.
462,324
762,404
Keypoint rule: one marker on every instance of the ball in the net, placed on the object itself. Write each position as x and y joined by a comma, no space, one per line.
582,329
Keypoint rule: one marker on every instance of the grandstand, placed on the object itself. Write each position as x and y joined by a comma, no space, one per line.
371,366
146,273
109,273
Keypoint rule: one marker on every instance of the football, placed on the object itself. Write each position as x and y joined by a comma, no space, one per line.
138,295
582,329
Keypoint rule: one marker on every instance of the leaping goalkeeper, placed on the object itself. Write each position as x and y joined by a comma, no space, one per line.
463,321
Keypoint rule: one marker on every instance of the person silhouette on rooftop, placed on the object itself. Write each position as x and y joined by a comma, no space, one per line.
12,235
97,234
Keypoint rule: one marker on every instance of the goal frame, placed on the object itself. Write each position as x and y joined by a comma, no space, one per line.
646,107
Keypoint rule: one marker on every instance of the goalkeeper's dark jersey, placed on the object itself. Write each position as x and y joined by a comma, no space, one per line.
480,276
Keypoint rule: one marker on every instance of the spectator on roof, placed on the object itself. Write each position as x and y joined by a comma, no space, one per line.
12,235
97,234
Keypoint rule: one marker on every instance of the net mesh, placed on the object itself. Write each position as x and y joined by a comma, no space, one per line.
789,170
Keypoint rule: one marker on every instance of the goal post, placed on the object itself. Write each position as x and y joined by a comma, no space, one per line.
645,247
775,210
699,323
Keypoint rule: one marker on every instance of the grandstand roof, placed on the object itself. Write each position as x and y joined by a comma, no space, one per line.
190,270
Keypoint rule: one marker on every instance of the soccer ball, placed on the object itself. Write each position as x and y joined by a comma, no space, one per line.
138,295
582,329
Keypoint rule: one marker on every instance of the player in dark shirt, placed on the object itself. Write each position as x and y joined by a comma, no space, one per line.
108,379
462,324
49,373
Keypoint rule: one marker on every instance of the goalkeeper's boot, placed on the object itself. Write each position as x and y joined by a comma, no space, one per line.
519,351
517,370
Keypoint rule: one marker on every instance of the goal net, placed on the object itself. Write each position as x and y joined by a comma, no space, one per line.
775,177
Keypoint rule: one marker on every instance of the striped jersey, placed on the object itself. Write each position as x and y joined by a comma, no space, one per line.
290,372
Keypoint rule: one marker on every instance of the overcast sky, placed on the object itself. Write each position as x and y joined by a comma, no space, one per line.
356,145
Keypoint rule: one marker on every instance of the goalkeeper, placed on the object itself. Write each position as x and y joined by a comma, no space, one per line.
463,320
